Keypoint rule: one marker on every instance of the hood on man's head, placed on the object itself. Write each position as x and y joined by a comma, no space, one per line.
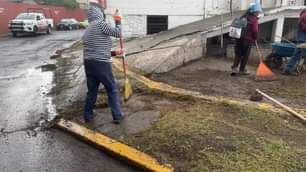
95,13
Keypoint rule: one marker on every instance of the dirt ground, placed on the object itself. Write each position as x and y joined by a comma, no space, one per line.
211,76
194,135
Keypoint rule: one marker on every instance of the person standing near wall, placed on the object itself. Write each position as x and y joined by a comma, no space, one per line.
98,62
301,38
243,45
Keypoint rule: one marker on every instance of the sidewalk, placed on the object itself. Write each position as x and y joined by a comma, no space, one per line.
4,35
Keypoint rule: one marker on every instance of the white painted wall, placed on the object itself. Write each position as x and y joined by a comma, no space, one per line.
157,7
135,13
175,21
179,12
132,25
273,3
215,7
296,2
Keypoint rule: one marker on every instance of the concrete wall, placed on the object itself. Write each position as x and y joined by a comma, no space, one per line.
175,21
135,13
273,3
215,7
265,3
295,2
160,7
133,25
253,58
179,12
136,25
167,56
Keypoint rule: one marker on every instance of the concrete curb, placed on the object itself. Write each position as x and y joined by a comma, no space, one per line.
114,147
179,91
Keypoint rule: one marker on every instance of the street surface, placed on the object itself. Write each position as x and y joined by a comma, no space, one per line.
25,106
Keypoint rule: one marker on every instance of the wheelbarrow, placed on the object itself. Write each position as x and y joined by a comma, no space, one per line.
281,53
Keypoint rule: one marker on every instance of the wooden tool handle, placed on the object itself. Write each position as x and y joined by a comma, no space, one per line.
123,56
259,52
288,109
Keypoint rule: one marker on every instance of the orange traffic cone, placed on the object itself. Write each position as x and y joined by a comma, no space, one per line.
263,72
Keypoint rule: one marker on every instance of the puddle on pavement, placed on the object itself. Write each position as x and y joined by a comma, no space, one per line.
20,75
46,74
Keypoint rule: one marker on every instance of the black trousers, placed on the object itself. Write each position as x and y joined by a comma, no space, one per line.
242,53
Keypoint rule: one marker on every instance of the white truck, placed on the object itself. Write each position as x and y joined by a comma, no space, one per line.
30,22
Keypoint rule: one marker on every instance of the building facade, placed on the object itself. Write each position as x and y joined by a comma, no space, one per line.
141,17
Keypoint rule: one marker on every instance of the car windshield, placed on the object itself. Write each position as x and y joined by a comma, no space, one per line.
65,21
26,16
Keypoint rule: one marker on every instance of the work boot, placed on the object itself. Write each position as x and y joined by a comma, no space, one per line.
234,71
90,119
244,72
118,121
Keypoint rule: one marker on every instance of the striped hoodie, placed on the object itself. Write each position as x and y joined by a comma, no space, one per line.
97,37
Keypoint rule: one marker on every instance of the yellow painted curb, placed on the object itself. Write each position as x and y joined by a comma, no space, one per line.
179,91
114,147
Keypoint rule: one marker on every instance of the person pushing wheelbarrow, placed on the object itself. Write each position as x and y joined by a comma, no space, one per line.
290,68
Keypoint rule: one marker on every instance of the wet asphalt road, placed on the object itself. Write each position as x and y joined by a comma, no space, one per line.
24,105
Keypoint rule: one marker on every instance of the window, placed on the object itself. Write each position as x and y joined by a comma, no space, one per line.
156,24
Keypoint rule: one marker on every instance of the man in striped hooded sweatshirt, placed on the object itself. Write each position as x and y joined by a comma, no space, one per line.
98,62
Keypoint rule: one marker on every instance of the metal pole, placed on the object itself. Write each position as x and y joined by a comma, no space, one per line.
231,7
204,9
222,39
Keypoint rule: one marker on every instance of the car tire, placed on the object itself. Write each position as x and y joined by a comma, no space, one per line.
35,30
14,34
300,66
49,30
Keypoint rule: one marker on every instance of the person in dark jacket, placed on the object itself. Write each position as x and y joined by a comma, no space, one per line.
301,38
243,45
98,62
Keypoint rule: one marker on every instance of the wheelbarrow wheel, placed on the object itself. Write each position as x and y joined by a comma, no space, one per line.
274,61
301,66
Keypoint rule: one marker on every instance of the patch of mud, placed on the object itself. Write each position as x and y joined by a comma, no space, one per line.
212,77
141,111
48,67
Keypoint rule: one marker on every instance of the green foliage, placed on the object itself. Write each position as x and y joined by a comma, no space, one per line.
66,3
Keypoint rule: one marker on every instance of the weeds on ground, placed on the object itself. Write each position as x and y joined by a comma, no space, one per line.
221,137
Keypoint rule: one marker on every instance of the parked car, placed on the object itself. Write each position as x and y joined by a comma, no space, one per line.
30,23
84,24
68,24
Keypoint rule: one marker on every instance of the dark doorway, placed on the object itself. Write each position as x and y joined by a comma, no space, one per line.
156,24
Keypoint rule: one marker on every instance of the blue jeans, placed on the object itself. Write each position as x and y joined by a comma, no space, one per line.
96,73
294,60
